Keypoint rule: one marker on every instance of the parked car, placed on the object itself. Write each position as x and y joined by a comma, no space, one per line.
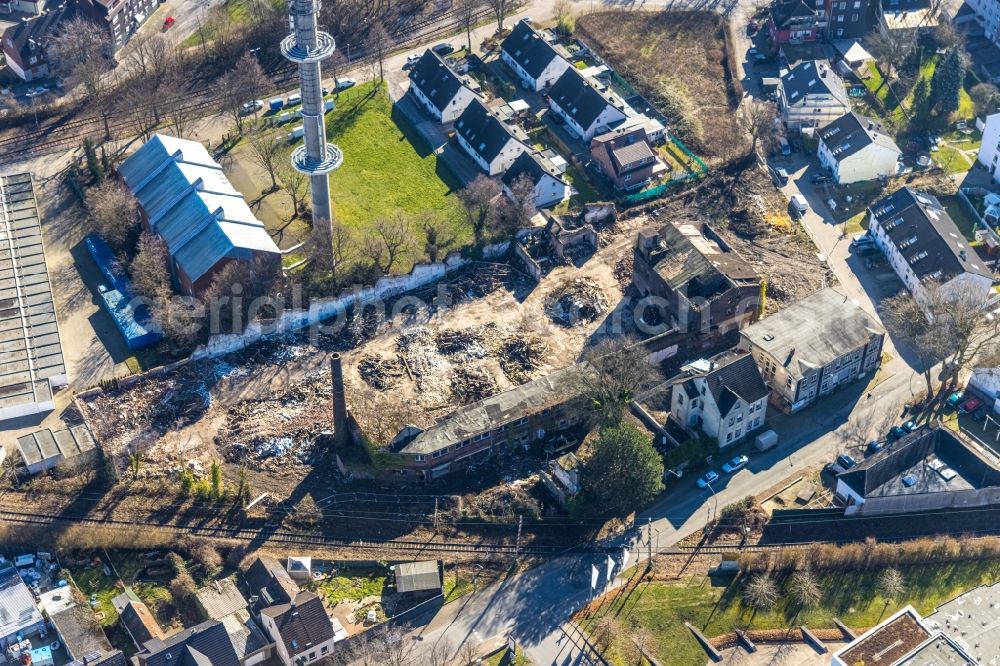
846,461
798,204
862,239
344,84
909,480
443,48
895,432
786,148
910,426
735,465
981,413
821,178
779,176
969,406
953,400
168,23
708,478
874,447
252,107
412,60
834,468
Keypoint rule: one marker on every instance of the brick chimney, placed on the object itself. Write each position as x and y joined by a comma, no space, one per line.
340,427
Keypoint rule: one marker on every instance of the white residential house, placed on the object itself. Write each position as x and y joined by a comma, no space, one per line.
856,149
550,187
439,90
813,346
490,142
533,60
301,630
723,397
811,95
922,243
584,108
989,151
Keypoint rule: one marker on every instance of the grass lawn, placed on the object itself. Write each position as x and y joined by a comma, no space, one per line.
587,192
857,223
386,166
233,12
952,160
503,658
716,607
960,214
874,83
352,585
92,581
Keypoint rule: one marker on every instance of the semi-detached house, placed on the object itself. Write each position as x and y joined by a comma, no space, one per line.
723,397
922,244
438,89
812,346
855,149
533,60
583,108
549,186
811,95
489,141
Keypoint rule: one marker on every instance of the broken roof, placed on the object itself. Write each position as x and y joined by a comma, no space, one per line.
852,133
79,629
812,77
301,624
31,357
268,578
191,204
502,408
684,255
528,49
418,576
813,332
244,634
220,599
922,231
137,618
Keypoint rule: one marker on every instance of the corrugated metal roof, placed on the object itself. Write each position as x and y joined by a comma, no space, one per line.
418,576
30,351
44,444
192,205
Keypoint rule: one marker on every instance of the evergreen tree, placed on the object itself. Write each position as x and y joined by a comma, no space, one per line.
93,163
946,84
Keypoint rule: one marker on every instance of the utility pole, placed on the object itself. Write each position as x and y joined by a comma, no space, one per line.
649,543
435,514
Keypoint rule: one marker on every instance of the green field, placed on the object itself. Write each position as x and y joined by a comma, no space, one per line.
874,83
386,166
350,585
716,607
233,13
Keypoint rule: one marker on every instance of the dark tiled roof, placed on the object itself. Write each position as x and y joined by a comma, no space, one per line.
783,12
735,377
38,29
436,81
923,232
528,164
206,644
301,625
851,133
483,130
528,49
136,618
268,578
580,100
812,77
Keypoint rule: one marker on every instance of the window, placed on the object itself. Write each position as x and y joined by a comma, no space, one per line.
419,458
840,32
521,421
729,437
739,418
854,18
840,18
324,649
480,437
680,398
312,655
439,452
738,433
732,420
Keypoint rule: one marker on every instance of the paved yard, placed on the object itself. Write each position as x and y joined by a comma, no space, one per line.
786,654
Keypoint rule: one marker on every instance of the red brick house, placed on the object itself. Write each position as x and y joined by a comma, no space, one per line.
626,158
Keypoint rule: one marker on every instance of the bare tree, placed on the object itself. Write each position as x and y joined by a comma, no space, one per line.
519,206
82,54
140,112
113,210
804,589
265,149
986,98
499,8
891,50
294,183
148,270
467,18
439,654
437,238
757,119
380,45
891,585
952,322
760,593
619,372
468,653
245,82
175,95
336,64
477,198
390,239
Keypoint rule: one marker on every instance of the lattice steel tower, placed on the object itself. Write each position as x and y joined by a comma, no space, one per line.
308,46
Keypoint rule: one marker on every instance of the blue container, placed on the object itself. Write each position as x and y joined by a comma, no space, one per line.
276,104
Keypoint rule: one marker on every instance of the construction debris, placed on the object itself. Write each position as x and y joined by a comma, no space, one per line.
460,344
578,301
520,356
381,373
472,383
623,271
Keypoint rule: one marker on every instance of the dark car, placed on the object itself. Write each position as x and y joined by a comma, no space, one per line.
981,413
820,178
443,49
874,447
846,461
779,176
896,432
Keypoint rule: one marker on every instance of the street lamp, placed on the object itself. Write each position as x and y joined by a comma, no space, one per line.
348,53
715,497
475,576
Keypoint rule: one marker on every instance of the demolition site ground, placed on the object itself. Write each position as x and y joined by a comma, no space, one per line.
258,412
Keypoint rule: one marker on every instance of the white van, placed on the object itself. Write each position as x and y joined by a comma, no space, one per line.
297,133
799,204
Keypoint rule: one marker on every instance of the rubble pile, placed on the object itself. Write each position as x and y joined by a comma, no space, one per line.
418,349
482,278
520,356
578,301
381,373
623,271
472,383
363,324
461,345
579,253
